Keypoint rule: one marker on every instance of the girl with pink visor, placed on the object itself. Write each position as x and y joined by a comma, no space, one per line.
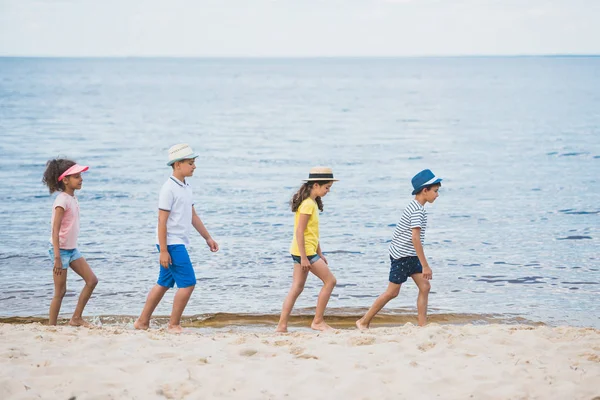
64,176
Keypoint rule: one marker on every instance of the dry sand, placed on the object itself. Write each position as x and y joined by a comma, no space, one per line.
406,362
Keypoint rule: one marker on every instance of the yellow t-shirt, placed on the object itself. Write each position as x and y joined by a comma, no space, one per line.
311,233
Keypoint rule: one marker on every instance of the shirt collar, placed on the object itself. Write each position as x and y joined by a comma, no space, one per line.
177,181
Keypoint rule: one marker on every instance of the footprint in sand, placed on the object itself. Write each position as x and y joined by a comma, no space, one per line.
591,357
248,352
299,353
280,343
426,346
307,356
240,340
362,341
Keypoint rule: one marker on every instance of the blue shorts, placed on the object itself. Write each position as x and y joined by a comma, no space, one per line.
180,271
311,259
66,256
404,267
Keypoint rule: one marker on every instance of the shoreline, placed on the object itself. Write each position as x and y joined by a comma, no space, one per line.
340,320
408,362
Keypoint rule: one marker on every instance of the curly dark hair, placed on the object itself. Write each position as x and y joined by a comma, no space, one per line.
54,169
304,193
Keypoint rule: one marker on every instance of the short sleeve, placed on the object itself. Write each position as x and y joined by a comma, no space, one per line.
416,219
307,207
165,199
61,201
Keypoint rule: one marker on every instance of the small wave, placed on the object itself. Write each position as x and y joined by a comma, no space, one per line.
575,237
570,211
527,280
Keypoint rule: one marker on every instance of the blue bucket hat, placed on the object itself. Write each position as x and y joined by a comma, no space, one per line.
423,179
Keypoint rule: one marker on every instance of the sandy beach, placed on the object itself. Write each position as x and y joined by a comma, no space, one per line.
406,362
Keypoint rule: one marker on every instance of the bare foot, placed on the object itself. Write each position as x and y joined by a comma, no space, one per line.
80,322
361,326
281,329
175,329
321,326
138,325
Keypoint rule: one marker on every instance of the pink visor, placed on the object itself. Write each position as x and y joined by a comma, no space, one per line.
75,169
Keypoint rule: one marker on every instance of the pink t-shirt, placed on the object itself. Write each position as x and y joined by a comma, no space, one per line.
69,227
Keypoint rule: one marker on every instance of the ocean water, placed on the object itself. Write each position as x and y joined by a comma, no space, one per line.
514,234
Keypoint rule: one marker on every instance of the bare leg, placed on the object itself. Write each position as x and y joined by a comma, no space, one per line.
179,302
81,267
60,288
424,287
321,270
299,279
391,292
154,297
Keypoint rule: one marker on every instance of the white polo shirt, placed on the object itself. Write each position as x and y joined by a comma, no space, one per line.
176,197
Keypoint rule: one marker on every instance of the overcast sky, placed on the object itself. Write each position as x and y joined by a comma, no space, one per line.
298,27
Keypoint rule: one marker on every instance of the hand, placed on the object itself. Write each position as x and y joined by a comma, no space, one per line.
323,258
58,266
304,263
214,246
427,273
164,259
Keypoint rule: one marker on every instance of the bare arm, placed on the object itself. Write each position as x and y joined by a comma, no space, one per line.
302,224
164,258
320,253
199,226
59,213
416,241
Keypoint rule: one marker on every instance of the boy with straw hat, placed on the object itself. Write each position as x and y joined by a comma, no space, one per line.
176,218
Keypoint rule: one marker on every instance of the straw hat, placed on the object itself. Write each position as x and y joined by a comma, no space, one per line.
180,152
320,174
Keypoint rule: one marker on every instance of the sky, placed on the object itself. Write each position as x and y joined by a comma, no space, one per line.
297,28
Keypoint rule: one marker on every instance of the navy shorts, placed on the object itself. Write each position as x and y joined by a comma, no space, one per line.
311,259
404,267
180,271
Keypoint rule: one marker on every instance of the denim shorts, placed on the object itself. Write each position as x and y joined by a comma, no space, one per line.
311,259
180,272
66,256
404,267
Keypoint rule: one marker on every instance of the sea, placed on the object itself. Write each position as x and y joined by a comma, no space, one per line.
514,236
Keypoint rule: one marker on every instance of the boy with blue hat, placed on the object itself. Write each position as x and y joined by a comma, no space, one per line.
406,249
176,218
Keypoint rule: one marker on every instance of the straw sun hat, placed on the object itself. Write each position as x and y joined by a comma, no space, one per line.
180,152
320,174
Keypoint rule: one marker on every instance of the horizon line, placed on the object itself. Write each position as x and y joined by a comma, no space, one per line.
516,55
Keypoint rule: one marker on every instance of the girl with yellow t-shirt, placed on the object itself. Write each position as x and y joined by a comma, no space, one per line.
306,249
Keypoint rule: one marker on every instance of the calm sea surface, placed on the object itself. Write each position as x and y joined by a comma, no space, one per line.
514,234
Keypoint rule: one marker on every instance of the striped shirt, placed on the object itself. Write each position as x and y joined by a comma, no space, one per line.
414,216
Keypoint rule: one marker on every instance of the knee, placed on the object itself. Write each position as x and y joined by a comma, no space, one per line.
60,292
330,283
392,294
425,287
92,282
297,289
